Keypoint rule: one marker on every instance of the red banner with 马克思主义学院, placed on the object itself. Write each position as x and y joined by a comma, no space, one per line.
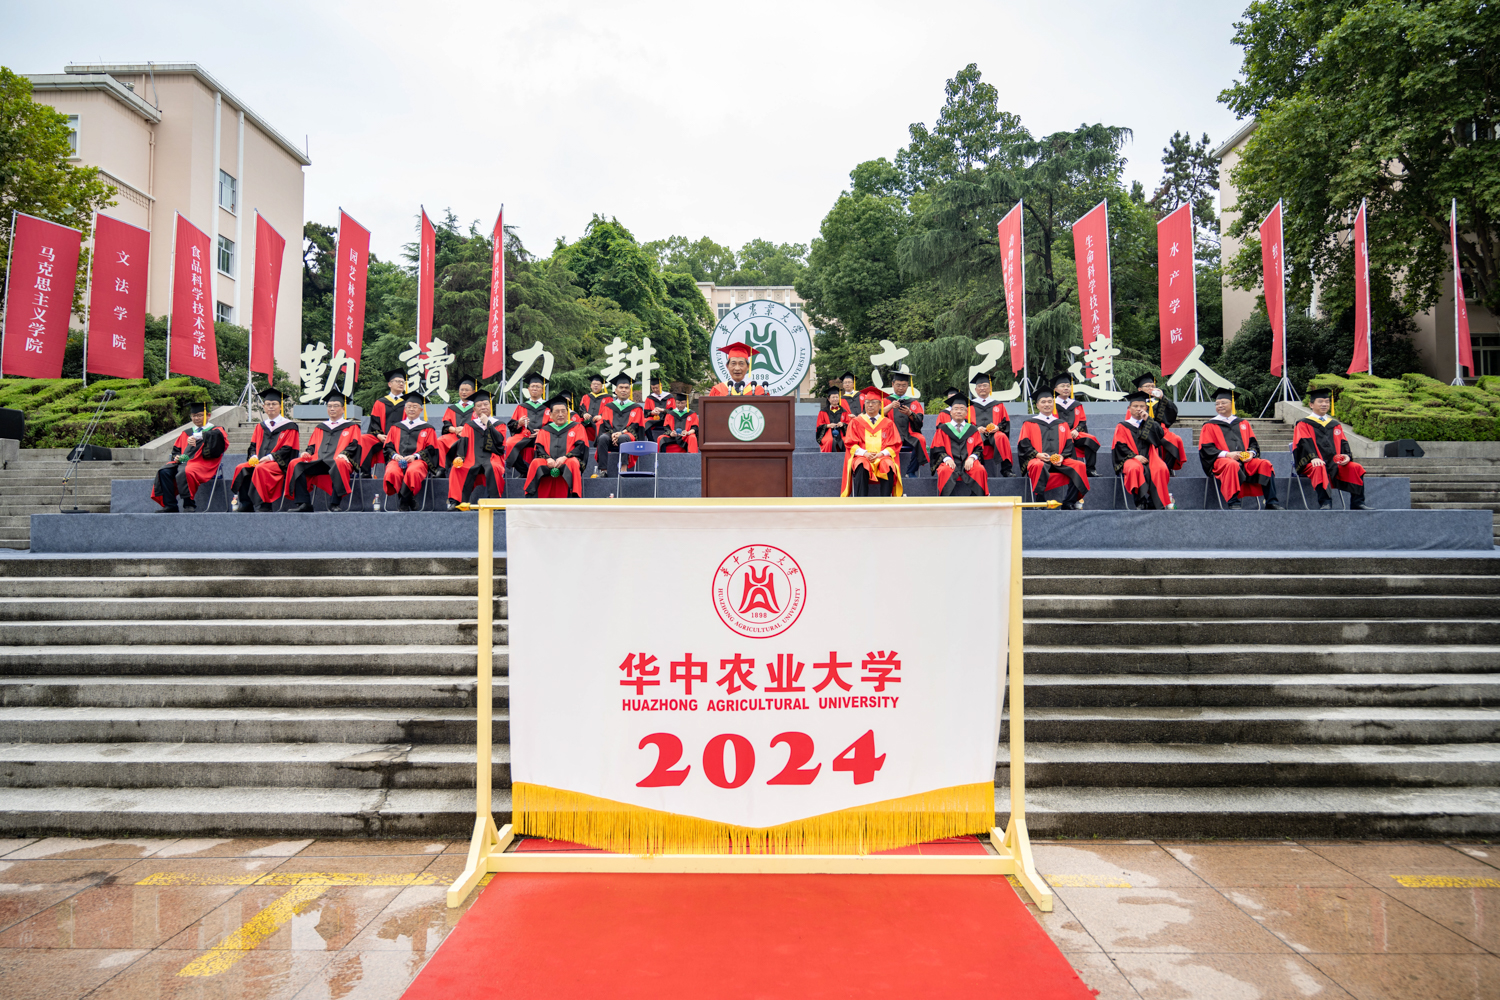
1176,288
117,299
191,333
352,265
425,263
1273,263
1091,250
1362,360
1013,274
494,350
270,246
39,296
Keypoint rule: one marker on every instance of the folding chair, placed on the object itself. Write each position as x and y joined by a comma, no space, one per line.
637,448
1213,489
218,477
1127,502
1301,482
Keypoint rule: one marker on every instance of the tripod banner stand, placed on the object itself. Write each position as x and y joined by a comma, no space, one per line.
776,710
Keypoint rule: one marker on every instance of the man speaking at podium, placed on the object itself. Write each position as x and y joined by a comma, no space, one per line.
737,360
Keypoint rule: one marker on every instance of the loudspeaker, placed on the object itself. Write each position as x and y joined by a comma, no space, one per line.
12,424
1405,448
90,453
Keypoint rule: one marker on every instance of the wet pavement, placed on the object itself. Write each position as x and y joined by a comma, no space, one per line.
1247,920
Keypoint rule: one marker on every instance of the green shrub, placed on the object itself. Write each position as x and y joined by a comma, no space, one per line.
1415,406
59,410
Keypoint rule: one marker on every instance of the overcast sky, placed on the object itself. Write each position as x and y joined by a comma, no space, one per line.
695,119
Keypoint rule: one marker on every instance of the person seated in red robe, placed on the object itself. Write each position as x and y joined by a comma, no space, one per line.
1045,448
411,453
1157,403
478,459
1085,445
907,413
620,419
958,453
832,419
588,405
454,417
1173,448
384,413
260,480
561,447
1230,455
529,414
329,461
677,429
1137,456
852,406
993,420
1323,455
872,451
737,360
196,455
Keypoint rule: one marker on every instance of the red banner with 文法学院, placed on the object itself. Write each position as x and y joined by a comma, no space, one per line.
117,299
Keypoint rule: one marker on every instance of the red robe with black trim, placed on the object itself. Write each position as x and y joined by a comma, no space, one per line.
478,459
1313,438
626,416
454,417
205,452
1235,435
569,443
385,413
336,446
1084,443
672,423
528,415
273,446
418,441
1150,482
1040,436
949,441
725,389
588,411
993,421
909,425
830,427
882,445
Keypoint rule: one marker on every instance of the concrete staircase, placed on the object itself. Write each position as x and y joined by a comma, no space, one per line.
34,485
1446,483
1177,697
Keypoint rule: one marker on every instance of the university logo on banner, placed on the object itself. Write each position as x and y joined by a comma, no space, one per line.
117,299
39,296
494,351
1013,274
759,591
1091,252
1273,265
270,247
1176,288
780,336
191,333
351,269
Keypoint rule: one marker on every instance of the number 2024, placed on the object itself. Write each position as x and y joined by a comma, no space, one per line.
858,758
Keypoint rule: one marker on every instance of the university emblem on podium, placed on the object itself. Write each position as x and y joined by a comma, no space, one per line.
759,591
746,422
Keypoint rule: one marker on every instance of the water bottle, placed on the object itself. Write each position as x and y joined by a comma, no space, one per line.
376,503
234,503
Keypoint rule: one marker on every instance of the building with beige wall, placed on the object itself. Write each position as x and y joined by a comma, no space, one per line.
722,300
171,139
1434,337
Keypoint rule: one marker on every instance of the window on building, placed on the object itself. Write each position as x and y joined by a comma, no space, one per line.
73,134
1486,354
223,312
229,192
226,255
724,308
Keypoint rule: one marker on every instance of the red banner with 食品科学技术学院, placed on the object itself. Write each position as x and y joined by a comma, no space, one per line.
191,333
39,296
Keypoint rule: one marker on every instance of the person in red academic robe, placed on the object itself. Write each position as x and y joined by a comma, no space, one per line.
478,459
737,360
384,413
872,451
410,452
1137,456
1045,448
260,480
1085,445
620,419
907,413
454,417
1230,454
852,406
958,453
832,419
993,420
1323,455
588,405
196,455
562,447
329,460
529,414
677,429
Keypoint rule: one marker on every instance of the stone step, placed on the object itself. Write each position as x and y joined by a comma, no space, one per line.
85,724
1200,608
240,632
1236,585
396,608
1266,690
239,587
1166,632
1453,505
1232,658
292,691
192,662
1254,724
276,564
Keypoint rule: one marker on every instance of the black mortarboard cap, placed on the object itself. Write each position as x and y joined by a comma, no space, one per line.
271,395
335,396
1062,378
1137,397
903,376
598,377
480,396
559,397
983,378
955,396
414,397
395,373
1319,394
197,406
469,379
846,375
1224,394
1143,379
681,397
532,378
621,379
1043,388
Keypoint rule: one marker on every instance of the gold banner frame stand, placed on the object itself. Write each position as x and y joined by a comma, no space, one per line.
488,847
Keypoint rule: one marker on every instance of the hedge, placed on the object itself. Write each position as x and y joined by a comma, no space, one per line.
59,409
1415,406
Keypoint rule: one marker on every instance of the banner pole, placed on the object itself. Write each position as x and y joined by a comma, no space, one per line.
166,368
88,312
11,250
485,675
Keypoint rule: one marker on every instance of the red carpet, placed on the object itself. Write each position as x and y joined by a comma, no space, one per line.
799,937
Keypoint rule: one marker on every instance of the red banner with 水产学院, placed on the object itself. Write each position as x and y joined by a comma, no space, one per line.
352,260
1091,250
1362,360
1273,263
191,331
494,350
39,296
1176,288
117,299
1013,275
425,263
270,246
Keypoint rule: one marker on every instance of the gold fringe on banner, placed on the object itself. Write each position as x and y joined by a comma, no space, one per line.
541,811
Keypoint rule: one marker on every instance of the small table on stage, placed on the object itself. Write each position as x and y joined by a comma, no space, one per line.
746,445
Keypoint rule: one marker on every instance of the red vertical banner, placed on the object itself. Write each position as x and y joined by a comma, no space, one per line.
39,289
425,267
270,247
494,351
191,333
117,299
1463,345
353,256
1273,263
1363,360
1176,289
1013,275
1091,250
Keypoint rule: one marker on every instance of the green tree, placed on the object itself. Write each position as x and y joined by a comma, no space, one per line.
1390,101
36,177
761,262
702,258
1190,176
852,265
970,131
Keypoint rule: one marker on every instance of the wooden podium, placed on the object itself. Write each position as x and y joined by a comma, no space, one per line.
746,445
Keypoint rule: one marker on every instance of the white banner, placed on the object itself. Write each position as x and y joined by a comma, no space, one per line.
757,666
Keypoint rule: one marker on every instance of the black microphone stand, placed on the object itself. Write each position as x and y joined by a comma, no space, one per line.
77,454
